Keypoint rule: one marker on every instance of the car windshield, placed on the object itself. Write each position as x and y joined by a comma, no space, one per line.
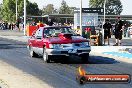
54,31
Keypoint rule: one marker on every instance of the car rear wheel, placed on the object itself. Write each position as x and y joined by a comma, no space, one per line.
32,53
46,57
84,57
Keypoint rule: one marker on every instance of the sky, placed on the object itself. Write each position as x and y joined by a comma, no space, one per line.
127,4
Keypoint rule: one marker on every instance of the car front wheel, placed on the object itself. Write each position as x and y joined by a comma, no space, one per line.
32,53
46,57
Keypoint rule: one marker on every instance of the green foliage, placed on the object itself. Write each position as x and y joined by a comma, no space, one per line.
113,7
49,9
0,11
20,7
96,3
9,9
32,9
64,9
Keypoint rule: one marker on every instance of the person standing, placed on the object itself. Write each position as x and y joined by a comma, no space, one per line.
50,22
9,26
118,31
107,31
0,25
6,25
17,25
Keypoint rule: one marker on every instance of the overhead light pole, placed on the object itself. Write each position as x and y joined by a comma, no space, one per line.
16,9
103,23
104,10
24,17
81,17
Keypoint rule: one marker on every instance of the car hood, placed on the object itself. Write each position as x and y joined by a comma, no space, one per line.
61,40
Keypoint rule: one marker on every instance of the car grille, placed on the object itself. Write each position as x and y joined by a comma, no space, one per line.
79,51
64,52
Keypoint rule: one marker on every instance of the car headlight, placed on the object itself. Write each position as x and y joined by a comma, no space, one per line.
54,46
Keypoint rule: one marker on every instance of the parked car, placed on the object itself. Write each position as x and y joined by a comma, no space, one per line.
58,41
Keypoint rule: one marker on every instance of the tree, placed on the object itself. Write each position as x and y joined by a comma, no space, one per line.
113,7
20,6
72,9
64,9
9,9
0,6
0,11
49,9
32,9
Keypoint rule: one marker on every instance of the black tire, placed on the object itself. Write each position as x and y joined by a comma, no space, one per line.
85,58
46,57
32,53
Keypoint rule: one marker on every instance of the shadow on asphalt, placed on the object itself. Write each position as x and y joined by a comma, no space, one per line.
11,46
77,60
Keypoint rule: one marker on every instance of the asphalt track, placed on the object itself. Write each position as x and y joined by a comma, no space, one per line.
60,74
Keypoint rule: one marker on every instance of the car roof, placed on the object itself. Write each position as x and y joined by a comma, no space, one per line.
57,27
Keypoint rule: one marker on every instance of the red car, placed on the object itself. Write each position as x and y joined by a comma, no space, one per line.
58,41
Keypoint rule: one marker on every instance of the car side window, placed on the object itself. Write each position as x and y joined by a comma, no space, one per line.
51,32
39,33
46,32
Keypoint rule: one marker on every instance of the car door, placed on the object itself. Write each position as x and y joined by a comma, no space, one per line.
32,41
39,41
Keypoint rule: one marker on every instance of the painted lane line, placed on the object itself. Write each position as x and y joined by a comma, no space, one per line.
124,55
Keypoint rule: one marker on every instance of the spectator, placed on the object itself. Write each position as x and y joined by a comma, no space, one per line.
12,26
3,25
50,22
0,24
33,23
6,25
9,26
107,31
118,31
17,24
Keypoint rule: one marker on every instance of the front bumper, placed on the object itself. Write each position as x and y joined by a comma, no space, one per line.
70,51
